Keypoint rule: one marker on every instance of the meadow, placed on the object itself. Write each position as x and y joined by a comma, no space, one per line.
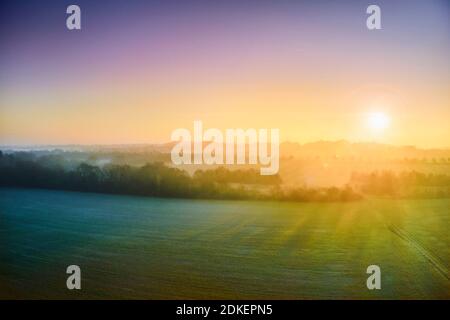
152,248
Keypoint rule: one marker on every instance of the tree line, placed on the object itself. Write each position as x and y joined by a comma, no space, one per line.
157,179
408,184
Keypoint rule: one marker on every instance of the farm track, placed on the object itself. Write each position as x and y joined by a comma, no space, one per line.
431,257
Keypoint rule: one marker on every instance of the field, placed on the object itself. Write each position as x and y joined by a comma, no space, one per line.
153,248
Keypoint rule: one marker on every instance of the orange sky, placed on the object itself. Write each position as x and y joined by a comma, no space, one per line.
314,77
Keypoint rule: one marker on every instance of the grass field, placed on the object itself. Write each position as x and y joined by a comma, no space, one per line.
131,247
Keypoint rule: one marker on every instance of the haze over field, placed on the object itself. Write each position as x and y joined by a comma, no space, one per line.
323,163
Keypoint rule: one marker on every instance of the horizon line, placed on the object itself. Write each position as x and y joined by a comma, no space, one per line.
56,145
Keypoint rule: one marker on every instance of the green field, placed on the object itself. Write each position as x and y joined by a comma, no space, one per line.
152,248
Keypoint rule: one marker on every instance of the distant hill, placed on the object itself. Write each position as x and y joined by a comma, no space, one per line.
322,149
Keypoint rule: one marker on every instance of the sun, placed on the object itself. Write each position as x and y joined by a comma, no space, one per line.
378,121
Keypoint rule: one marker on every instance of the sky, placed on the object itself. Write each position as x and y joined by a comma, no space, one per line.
137,70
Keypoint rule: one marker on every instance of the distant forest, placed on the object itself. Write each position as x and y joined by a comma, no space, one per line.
31,170
22,169
411,184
